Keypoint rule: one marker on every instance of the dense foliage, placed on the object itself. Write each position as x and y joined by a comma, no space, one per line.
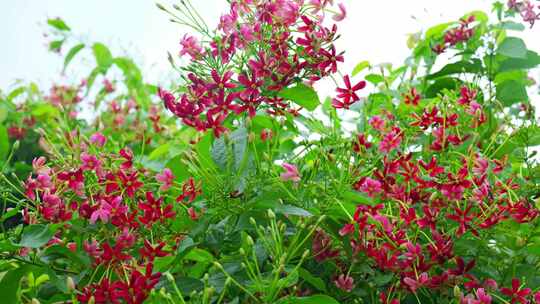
236,184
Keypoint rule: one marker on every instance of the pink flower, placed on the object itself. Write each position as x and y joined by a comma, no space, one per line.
391,140
377,123
370,186
90,162
103,213
344,282
166,179
98,139
39,165
190,45
291,173
246,33
342,13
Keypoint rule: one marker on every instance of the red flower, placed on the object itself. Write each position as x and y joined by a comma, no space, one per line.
252,85
344,282
331,60
129,182
190,190
127,154
412,97
221,82
463,218
75,180
347,96
153,210
149,252
516,292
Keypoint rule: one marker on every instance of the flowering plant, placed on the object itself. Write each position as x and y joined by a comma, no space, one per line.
415,184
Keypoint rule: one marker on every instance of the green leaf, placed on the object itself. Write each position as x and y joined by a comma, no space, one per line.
35,236
473,66
71,54
4,143
56,45
374,78
513,47
478,16
199,255
437,30
360,67
160,151
58,24
103,56
312,280
531,60
511,92
441,84
513,26
232,152
10,284
178,169
315,299
302,95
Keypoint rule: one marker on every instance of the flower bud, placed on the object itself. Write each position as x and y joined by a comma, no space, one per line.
70,283
271,214
457,292
249,240
242,251
35,301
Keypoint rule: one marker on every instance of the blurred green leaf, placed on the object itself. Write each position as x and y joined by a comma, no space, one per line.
302,95
35,236
511,92
58,24
360,67
103,56
71,54
513,47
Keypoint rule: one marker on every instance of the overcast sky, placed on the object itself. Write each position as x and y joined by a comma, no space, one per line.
374,31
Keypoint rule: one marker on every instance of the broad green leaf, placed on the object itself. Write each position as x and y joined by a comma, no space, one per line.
159,151
302,95
360,67
315,299
35,236
179,170
16,92
58,24
55,252
374,78
312,280
513,26
531,60
10,284
72,53
441,84
511,92
473,66
199,255
230,153
103,56
513,47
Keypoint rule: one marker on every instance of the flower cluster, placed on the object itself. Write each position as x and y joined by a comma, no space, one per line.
260,48
424,206
121,205
460,34
527,10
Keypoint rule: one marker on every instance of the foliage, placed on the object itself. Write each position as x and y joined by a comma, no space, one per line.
418,185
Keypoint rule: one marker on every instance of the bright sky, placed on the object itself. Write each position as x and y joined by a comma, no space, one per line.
374,31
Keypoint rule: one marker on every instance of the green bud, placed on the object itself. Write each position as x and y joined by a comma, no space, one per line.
271,214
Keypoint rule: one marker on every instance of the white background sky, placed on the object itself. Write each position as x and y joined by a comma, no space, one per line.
374,31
